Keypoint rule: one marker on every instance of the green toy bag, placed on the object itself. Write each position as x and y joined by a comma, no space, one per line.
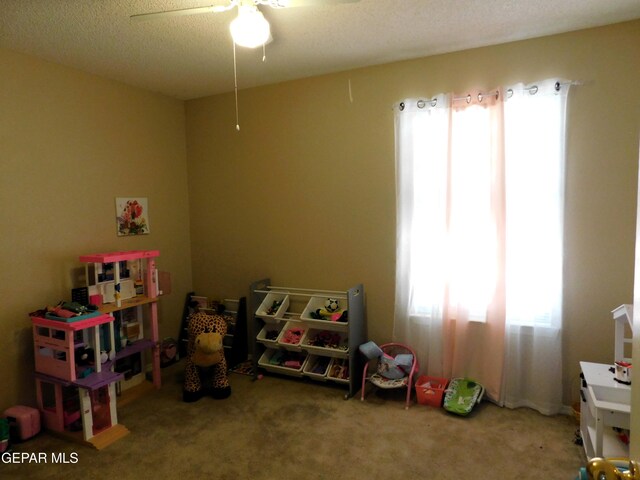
462,395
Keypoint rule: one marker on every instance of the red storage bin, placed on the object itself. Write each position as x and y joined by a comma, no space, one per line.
430,390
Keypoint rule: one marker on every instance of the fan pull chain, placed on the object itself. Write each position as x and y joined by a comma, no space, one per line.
235,79
235,82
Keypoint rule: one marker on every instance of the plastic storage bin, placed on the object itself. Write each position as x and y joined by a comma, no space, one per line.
291,336
283,361
430,390
270,333
339,370
326,342
318,303
266,308
317,367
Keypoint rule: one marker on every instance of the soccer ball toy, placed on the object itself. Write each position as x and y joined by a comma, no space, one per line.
331,304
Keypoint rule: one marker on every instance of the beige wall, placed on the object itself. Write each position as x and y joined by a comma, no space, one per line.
69,144
305,192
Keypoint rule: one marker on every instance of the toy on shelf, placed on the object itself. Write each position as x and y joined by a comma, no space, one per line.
339,369
206,368
325,340
70,312
275,306
284,360
292,336
118,276
331,311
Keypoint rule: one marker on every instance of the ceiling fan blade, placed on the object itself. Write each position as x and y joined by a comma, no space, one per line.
180,12
306,3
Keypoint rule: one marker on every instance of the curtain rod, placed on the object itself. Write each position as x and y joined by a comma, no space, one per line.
480,96
533,89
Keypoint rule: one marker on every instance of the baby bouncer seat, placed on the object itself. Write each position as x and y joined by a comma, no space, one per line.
394,367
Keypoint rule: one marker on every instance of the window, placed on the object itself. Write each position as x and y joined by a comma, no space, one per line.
486,195
479,239
534,158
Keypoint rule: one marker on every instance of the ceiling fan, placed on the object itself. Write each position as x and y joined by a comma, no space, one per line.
249,29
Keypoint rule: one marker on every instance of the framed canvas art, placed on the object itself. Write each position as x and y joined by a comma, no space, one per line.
132,216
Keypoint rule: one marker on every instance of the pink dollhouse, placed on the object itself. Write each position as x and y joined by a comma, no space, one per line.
75,401
76,395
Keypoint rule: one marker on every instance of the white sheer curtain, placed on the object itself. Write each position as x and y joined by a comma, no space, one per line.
421,129
534,157
479,189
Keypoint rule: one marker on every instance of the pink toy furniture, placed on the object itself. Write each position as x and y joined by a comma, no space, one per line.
55,343
379,381
136,268
78,407
78,399
24,421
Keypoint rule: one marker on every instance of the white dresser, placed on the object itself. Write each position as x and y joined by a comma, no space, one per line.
604,404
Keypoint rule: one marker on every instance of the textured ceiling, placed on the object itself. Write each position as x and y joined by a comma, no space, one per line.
192,56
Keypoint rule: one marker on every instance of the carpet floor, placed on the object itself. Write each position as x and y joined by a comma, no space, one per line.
280,428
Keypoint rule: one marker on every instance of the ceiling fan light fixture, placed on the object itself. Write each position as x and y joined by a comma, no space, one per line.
250,29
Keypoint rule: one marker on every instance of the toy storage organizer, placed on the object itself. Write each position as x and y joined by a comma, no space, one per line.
290,339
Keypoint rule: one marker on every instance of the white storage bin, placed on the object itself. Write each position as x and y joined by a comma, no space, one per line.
318,303
326,342
339,370
272,341
281,365
288,341
265,310
316,367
